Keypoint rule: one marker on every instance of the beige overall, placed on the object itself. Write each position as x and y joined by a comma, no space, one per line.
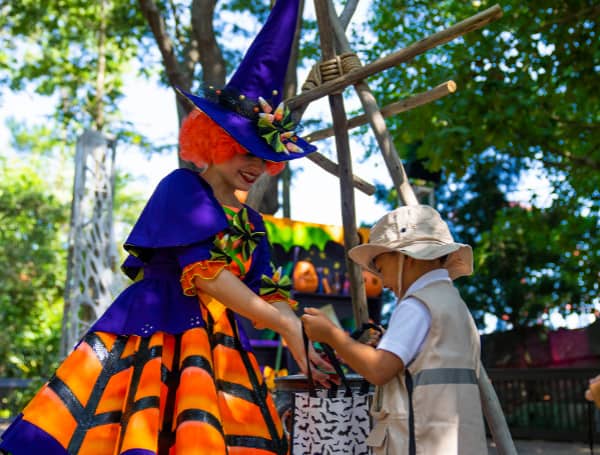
445,397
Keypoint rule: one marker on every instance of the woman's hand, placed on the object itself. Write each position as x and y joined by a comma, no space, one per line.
235,295
292,333
369,334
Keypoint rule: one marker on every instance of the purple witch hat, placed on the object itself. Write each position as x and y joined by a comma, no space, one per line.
241,108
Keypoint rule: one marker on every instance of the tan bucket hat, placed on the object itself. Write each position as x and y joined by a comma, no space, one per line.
419,232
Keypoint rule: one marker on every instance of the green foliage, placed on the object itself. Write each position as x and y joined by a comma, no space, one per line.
32,260
525,83
128,203
533,260
76,51
526,100
528,260
35,193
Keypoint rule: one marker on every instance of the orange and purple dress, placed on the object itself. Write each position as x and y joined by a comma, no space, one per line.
164,370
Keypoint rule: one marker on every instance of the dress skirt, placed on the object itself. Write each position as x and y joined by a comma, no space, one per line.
165,370
198,392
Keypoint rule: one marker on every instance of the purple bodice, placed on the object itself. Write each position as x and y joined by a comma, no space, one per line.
176,228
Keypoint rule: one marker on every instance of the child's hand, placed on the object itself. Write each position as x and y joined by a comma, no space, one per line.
318,327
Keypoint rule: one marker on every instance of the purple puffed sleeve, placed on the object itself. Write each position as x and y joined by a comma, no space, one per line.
182,214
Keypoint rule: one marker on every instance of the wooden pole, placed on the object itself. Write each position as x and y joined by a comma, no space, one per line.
386,145
392,109
331,167
489,400
336,103
494,416
404,55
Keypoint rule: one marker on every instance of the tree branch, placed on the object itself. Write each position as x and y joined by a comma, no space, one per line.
178,35
575,160
101,75
592,12
211,57
575,123
158,27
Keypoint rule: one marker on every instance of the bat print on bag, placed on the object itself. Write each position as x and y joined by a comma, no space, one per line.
330,426
335,423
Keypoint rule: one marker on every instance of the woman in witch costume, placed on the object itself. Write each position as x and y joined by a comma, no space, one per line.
168,369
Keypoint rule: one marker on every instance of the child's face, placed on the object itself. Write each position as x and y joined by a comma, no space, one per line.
387,265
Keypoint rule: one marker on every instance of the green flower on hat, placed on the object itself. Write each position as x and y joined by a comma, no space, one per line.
277,128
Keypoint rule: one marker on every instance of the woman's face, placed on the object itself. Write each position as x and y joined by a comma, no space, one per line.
241,171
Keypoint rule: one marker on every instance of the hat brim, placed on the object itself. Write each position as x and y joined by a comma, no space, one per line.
459,262
245,131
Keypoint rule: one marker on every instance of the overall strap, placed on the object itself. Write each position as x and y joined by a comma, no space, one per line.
311,383
412,448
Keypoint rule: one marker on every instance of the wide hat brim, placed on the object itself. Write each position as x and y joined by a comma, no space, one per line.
459,262
245,131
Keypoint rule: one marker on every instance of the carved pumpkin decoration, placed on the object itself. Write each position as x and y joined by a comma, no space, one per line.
305,277
373,284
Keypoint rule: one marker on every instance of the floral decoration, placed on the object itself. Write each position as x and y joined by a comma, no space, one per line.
277,127
242,238
279,283
270,374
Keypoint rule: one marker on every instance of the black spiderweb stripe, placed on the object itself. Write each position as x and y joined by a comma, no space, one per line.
141,357
200,415
170,378
84,414
277,444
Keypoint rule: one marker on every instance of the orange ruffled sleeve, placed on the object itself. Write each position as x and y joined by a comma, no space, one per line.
207,270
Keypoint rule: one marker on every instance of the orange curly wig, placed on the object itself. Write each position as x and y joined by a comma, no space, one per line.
203,142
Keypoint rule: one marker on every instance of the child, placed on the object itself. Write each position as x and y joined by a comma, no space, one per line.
168,369
426,365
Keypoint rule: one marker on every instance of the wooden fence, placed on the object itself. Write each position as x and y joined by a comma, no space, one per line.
547,403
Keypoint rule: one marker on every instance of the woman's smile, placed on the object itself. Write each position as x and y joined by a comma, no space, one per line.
249,176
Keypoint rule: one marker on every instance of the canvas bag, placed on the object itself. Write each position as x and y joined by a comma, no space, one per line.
333,421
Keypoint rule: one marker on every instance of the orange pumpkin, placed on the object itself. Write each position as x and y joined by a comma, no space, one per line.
305,277
373,284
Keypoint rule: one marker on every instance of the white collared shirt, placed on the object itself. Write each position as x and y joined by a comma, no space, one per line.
410,321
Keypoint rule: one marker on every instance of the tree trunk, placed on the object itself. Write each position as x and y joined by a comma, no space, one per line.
101,74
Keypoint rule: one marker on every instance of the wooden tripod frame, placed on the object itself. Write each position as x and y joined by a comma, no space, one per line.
334,44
